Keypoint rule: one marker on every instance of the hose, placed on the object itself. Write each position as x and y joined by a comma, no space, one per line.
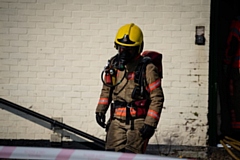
102,75
233,143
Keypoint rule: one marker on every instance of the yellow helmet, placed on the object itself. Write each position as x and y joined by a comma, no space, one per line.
129,35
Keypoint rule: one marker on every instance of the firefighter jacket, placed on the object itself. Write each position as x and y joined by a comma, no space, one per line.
232,54
123,93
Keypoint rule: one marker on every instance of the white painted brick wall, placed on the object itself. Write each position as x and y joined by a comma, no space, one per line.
53,51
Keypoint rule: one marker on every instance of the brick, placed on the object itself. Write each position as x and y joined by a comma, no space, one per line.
28,37
63,88
42,12
8,11
18,93
55,44
4,18
36,18
63,25
71,20
27,12
63,75
54,94
8,74
72,94
72,81
18,18
18,68
19,43
45,75
56,6
54,81
35,6
45,37
4,92
4,67
62,13
56,69
43,51
182,21
27,74
36,31
4,5
63,63
19,80
18,55
27,50
61,100
54,31
26,25
36,44
9,36
109,7
36,80
4,42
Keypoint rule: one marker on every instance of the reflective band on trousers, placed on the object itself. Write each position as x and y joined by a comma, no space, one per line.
103,101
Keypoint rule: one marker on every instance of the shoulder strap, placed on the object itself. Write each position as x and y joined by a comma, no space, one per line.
140,72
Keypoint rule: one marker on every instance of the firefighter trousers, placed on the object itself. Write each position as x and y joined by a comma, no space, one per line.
121,136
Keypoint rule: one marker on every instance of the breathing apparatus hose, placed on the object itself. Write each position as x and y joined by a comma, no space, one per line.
112,85
233,143
113,66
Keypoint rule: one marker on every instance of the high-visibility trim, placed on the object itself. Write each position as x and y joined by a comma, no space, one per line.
153,114
122,112
103,101
154,85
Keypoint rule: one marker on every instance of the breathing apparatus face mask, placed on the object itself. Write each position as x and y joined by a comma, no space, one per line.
126,55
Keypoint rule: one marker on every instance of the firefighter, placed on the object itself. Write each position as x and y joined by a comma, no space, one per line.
232,70
134,116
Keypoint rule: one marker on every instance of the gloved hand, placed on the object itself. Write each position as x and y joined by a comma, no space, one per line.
100,118
147,131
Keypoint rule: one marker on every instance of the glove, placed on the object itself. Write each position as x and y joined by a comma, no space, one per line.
147,131
100,118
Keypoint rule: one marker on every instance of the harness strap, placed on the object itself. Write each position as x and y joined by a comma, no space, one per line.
129,116
139,77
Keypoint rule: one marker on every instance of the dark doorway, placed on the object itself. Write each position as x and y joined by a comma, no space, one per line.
222,13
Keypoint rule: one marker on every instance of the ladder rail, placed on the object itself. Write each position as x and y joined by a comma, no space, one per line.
47,122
